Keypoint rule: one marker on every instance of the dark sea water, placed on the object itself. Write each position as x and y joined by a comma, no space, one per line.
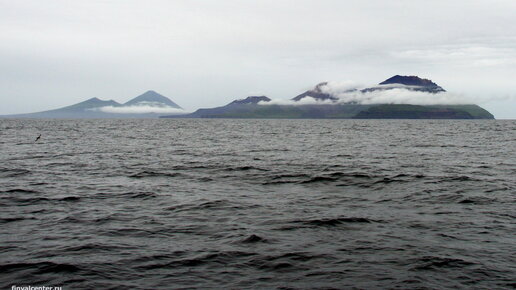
290,204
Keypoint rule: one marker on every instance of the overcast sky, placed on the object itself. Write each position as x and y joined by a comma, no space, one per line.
207,53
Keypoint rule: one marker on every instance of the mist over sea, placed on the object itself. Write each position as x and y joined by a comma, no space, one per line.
290,204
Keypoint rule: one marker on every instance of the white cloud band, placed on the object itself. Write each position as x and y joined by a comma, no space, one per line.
140,110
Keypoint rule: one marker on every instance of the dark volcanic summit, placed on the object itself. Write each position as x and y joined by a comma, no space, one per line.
421,84
250,100
409,81
152,96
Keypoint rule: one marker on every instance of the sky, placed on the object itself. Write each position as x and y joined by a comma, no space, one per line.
203,54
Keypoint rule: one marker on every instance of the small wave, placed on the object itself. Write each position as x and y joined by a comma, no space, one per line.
6,172
185,167
145,174
276,266
15,219
154,258
142,195
20,190
352,175
293,261
475,200
286,178
28,201
40,268
333,221
320,179
76,219
432,263
387,180
70,198
448,236
245,168
343,179
37,200
253,239
456,178
351,178
59,164
399,178
222,258
5,249
345,155
92,247
212,204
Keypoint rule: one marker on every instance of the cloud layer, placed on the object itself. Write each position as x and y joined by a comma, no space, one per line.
403,96
351,92
303,101
392,94
140,110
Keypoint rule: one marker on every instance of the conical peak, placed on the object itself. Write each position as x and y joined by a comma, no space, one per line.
152,96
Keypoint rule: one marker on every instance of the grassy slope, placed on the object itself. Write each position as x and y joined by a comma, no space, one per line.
425,112
289,112
348,111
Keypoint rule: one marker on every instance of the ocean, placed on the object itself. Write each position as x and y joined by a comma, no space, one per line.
258,204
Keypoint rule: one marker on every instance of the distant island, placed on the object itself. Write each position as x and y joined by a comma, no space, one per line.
399,97
148,105
327,102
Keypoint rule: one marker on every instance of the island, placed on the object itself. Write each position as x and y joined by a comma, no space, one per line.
322,102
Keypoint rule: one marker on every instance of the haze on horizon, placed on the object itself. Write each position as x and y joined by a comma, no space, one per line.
56,53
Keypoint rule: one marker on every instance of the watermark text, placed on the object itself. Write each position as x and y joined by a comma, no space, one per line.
14,287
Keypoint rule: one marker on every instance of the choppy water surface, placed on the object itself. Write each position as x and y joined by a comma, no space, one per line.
258,204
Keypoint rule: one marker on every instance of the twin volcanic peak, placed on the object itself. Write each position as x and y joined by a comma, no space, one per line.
148,105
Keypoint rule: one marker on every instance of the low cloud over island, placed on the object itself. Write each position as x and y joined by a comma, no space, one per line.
140,109
352,92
